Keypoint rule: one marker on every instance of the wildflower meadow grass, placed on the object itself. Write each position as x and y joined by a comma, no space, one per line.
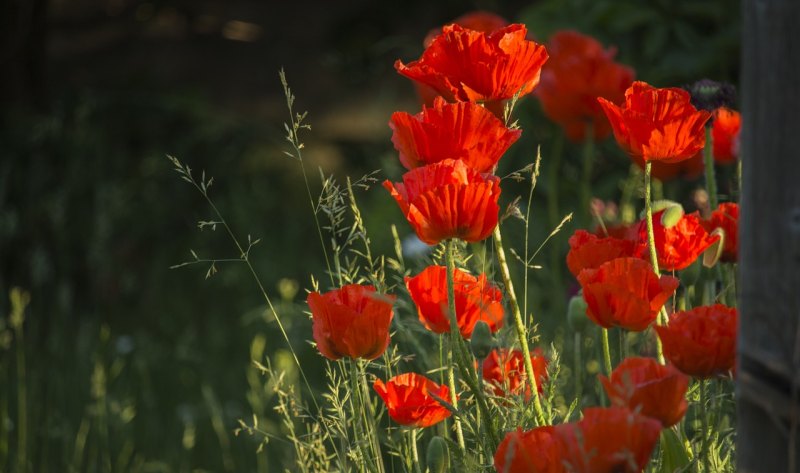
437,363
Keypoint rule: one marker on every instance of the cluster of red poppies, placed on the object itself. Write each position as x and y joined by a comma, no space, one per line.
451,149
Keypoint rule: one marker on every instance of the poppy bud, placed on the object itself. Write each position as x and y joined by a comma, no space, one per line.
709,95
672,215
576,312
482,341
714,252
437,457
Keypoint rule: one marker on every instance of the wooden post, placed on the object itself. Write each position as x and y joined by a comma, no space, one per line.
768,377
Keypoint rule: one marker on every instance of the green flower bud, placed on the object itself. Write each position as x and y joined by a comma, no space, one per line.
672,215
482,341
437,457
673,212
712,255
576,312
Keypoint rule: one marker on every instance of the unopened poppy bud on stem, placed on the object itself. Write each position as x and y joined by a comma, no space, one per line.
576,313
482,341
714,252
437,457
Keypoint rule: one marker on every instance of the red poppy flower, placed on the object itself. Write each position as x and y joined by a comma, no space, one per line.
609,440
540,450
726,217
590,251
625,292
351,321
580,70
463,131
650,388
725,132
448,199
472,66
409,401
680,245
476,299
475,20
505,370
657,124
701,342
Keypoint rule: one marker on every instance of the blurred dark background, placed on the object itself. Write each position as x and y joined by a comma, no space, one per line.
131,366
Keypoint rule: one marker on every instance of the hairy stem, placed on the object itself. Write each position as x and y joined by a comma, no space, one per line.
711,180
414,452
606,351
519,325
651,245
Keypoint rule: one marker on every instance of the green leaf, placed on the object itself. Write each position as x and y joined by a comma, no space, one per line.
673,454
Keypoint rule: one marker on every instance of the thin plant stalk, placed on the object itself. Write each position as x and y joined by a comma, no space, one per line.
704,419
370,416
519,325
451,383
414,451
292,137
458,349
606,351
711,180
19,302
577,366
651,244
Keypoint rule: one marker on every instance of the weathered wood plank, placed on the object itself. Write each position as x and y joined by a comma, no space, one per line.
769,332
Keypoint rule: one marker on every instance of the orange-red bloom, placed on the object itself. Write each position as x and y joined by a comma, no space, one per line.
472,66
463,131
588,251
725,132
351,321
540,450
505,370
476,20
476,299
657,124
650,388
625,292
580,70
701,342
609,440
680,245
448,200
409,401
726,217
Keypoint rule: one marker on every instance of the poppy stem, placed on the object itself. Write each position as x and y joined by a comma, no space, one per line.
465,361
451,383
375,442
455,335
606,352
704,418
711,180
414,452
651,244
519,325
